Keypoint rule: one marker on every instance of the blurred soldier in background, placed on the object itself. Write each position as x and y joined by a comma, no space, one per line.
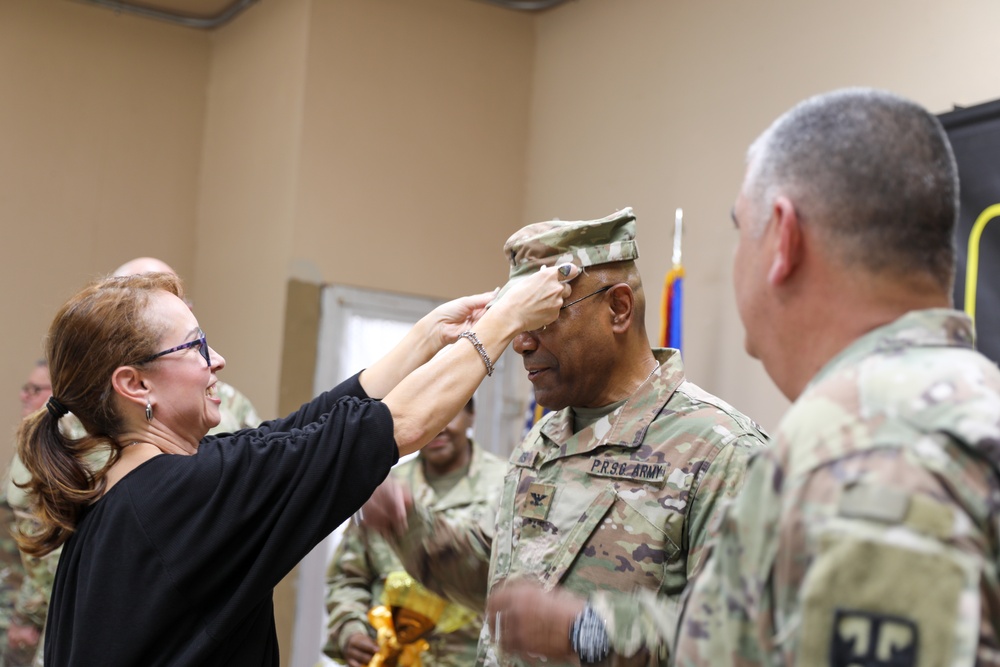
20,629
451,477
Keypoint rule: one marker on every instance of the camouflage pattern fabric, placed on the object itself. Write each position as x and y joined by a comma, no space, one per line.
32,602
236,410
29,601
357,573
868,534
618,512
583,242
11,570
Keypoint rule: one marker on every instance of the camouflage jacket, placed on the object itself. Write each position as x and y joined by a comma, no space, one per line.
618,512
32,601
236,410
29,602
357,572
11,569
868,534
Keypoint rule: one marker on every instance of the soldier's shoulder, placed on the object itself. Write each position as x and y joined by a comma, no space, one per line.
490,460
404,469
238,411
491,470
898,398
704,411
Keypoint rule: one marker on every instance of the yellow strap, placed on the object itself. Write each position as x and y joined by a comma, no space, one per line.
972,263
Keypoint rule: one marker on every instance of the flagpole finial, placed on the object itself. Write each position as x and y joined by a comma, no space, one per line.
678,230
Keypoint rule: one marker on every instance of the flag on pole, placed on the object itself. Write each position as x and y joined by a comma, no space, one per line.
673,292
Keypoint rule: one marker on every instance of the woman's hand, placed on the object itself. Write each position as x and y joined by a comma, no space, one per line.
428,397
452,318
434,331
535,300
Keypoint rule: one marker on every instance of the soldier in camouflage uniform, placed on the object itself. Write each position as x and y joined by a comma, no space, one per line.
32,601
607,503
11,572
16,647
868,534
452,477
11,577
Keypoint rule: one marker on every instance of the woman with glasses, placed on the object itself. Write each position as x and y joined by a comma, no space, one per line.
173,548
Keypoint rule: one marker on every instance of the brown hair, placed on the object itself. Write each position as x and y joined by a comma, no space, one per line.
100,329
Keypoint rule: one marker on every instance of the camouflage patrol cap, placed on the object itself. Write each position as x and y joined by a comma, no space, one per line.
581,242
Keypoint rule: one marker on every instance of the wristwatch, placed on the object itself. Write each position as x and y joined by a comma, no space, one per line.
588,637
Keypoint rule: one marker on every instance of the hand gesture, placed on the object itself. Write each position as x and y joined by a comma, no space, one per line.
458,315
359,650
529,621
385,512
535,301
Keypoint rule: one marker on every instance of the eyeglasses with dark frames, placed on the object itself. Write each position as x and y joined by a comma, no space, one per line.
603,289
201,342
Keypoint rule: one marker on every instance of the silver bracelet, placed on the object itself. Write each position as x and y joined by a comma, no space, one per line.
589,638
471,335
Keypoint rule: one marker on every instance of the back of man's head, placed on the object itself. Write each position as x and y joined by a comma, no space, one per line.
873,172
143,265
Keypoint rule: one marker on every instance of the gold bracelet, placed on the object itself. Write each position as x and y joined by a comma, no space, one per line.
471,335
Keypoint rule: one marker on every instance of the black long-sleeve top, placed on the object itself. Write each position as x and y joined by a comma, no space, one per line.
176,564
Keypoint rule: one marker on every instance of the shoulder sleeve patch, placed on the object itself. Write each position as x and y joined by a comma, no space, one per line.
870,603
864,638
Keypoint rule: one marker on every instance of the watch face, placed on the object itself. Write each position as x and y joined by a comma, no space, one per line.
588,638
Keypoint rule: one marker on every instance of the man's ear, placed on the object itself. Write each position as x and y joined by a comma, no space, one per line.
129,383
787,240
622,307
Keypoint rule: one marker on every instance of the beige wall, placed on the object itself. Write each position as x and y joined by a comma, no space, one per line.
306,138
395,144
101,122
246,209
652,104
362,142
414,140
379,143
302,139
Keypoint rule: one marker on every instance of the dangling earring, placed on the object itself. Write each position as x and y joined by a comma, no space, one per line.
149,411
